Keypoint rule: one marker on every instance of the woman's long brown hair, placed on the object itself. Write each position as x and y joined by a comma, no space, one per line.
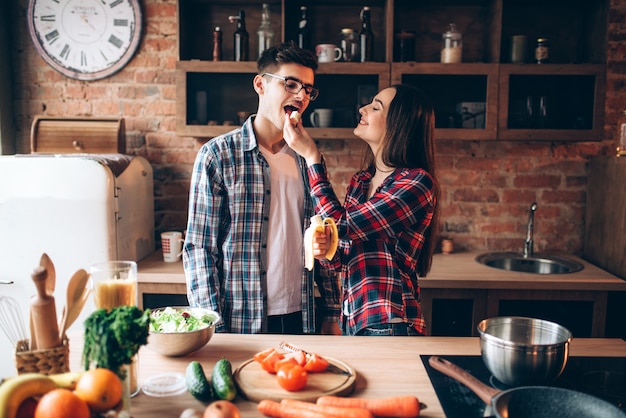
410,142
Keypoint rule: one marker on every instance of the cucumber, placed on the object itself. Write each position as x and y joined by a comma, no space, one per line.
197,383
222,380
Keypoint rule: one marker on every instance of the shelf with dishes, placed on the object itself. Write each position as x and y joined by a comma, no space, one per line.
482,97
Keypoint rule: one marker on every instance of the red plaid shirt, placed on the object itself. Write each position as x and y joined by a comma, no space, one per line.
380,241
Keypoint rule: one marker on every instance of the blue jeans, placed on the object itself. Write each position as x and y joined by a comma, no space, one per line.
394,329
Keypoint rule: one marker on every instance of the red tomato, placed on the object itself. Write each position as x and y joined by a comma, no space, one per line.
260,356
286,361
316,363
300,357
269,363
292,377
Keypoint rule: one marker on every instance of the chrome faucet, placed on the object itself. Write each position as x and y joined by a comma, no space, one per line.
528,244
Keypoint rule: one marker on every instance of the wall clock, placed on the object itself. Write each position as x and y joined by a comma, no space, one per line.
85,39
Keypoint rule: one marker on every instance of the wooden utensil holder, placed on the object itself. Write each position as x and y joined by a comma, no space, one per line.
50,361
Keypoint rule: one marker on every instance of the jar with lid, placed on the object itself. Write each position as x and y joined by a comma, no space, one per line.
542,51
621,135
349,44
452,45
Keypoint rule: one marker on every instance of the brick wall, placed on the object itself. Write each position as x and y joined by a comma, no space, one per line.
487,186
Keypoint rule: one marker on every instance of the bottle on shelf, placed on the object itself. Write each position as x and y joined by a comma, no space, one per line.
452,45
366,36
542,51
241,37
217,44
621,135
265,33
304,30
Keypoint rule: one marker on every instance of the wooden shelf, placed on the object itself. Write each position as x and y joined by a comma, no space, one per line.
575,27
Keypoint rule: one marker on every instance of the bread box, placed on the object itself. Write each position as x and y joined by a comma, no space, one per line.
52,135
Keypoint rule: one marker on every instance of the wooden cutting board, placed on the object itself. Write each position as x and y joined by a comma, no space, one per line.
256,384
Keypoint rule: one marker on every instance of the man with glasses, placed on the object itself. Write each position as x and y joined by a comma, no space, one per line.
249,206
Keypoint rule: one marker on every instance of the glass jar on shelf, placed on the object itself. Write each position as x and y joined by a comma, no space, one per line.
349,45
452,45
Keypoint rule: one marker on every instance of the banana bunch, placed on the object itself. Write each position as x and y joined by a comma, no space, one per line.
319,224
17,389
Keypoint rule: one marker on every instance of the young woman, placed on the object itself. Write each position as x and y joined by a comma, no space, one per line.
388,222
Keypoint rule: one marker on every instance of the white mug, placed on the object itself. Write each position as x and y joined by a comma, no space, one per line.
328,53
322,118
172,245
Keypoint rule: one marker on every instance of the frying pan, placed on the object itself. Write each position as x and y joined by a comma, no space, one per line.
531,401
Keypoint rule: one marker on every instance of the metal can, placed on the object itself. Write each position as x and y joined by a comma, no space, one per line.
542,51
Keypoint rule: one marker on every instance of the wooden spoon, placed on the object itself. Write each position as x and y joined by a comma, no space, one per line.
46,262
76,309
75,289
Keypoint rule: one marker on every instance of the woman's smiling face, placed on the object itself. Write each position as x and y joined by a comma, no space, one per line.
373,123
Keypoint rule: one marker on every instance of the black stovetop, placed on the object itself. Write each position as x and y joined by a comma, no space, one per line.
604,377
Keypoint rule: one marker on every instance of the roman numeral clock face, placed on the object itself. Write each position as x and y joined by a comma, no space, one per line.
85,39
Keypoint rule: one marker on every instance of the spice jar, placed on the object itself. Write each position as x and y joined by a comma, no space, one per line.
452,45
621,135
542,51
349,45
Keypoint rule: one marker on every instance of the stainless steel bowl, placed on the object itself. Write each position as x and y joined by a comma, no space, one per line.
177,344
521,351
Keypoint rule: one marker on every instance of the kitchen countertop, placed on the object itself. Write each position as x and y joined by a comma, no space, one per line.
385,366
454,276
153,269
460,270
456,270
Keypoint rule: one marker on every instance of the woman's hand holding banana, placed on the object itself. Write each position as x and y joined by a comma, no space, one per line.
316,242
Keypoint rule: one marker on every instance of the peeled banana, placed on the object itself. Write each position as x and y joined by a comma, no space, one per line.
17,389
319,224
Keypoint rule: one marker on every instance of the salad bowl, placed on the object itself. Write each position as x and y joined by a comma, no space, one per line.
176,331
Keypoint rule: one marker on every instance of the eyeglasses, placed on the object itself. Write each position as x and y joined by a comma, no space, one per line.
293,85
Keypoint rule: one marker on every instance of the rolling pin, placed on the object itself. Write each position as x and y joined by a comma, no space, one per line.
43,313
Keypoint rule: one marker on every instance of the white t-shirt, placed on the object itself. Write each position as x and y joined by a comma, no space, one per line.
284,246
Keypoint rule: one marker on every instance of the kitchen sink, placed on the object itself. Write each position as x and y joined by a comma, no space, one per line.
536,264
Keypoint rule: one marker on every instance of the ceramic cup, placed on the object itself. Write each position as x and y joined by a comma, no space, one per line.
172,245
328,53
322,118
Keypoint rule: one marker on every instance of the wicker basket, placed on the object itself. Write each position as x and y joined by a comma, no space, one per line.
49,361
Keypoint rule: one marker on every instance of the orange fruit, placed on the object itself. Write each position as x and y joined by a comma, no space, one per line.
221,409
100,388
61,403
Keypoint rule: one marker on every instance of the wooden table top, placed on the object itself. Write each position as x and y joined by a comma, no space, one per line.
385,366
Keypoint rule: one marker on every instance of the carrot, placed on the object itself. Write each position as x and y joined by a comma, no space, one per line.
328,411
278,410
397,406
269,408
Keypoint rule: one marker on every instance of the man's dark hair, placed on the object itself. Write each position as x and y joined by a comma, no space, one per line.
285,53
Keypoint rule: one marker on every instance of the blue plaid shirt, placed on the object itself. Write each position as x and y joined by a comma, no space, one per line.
225,252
